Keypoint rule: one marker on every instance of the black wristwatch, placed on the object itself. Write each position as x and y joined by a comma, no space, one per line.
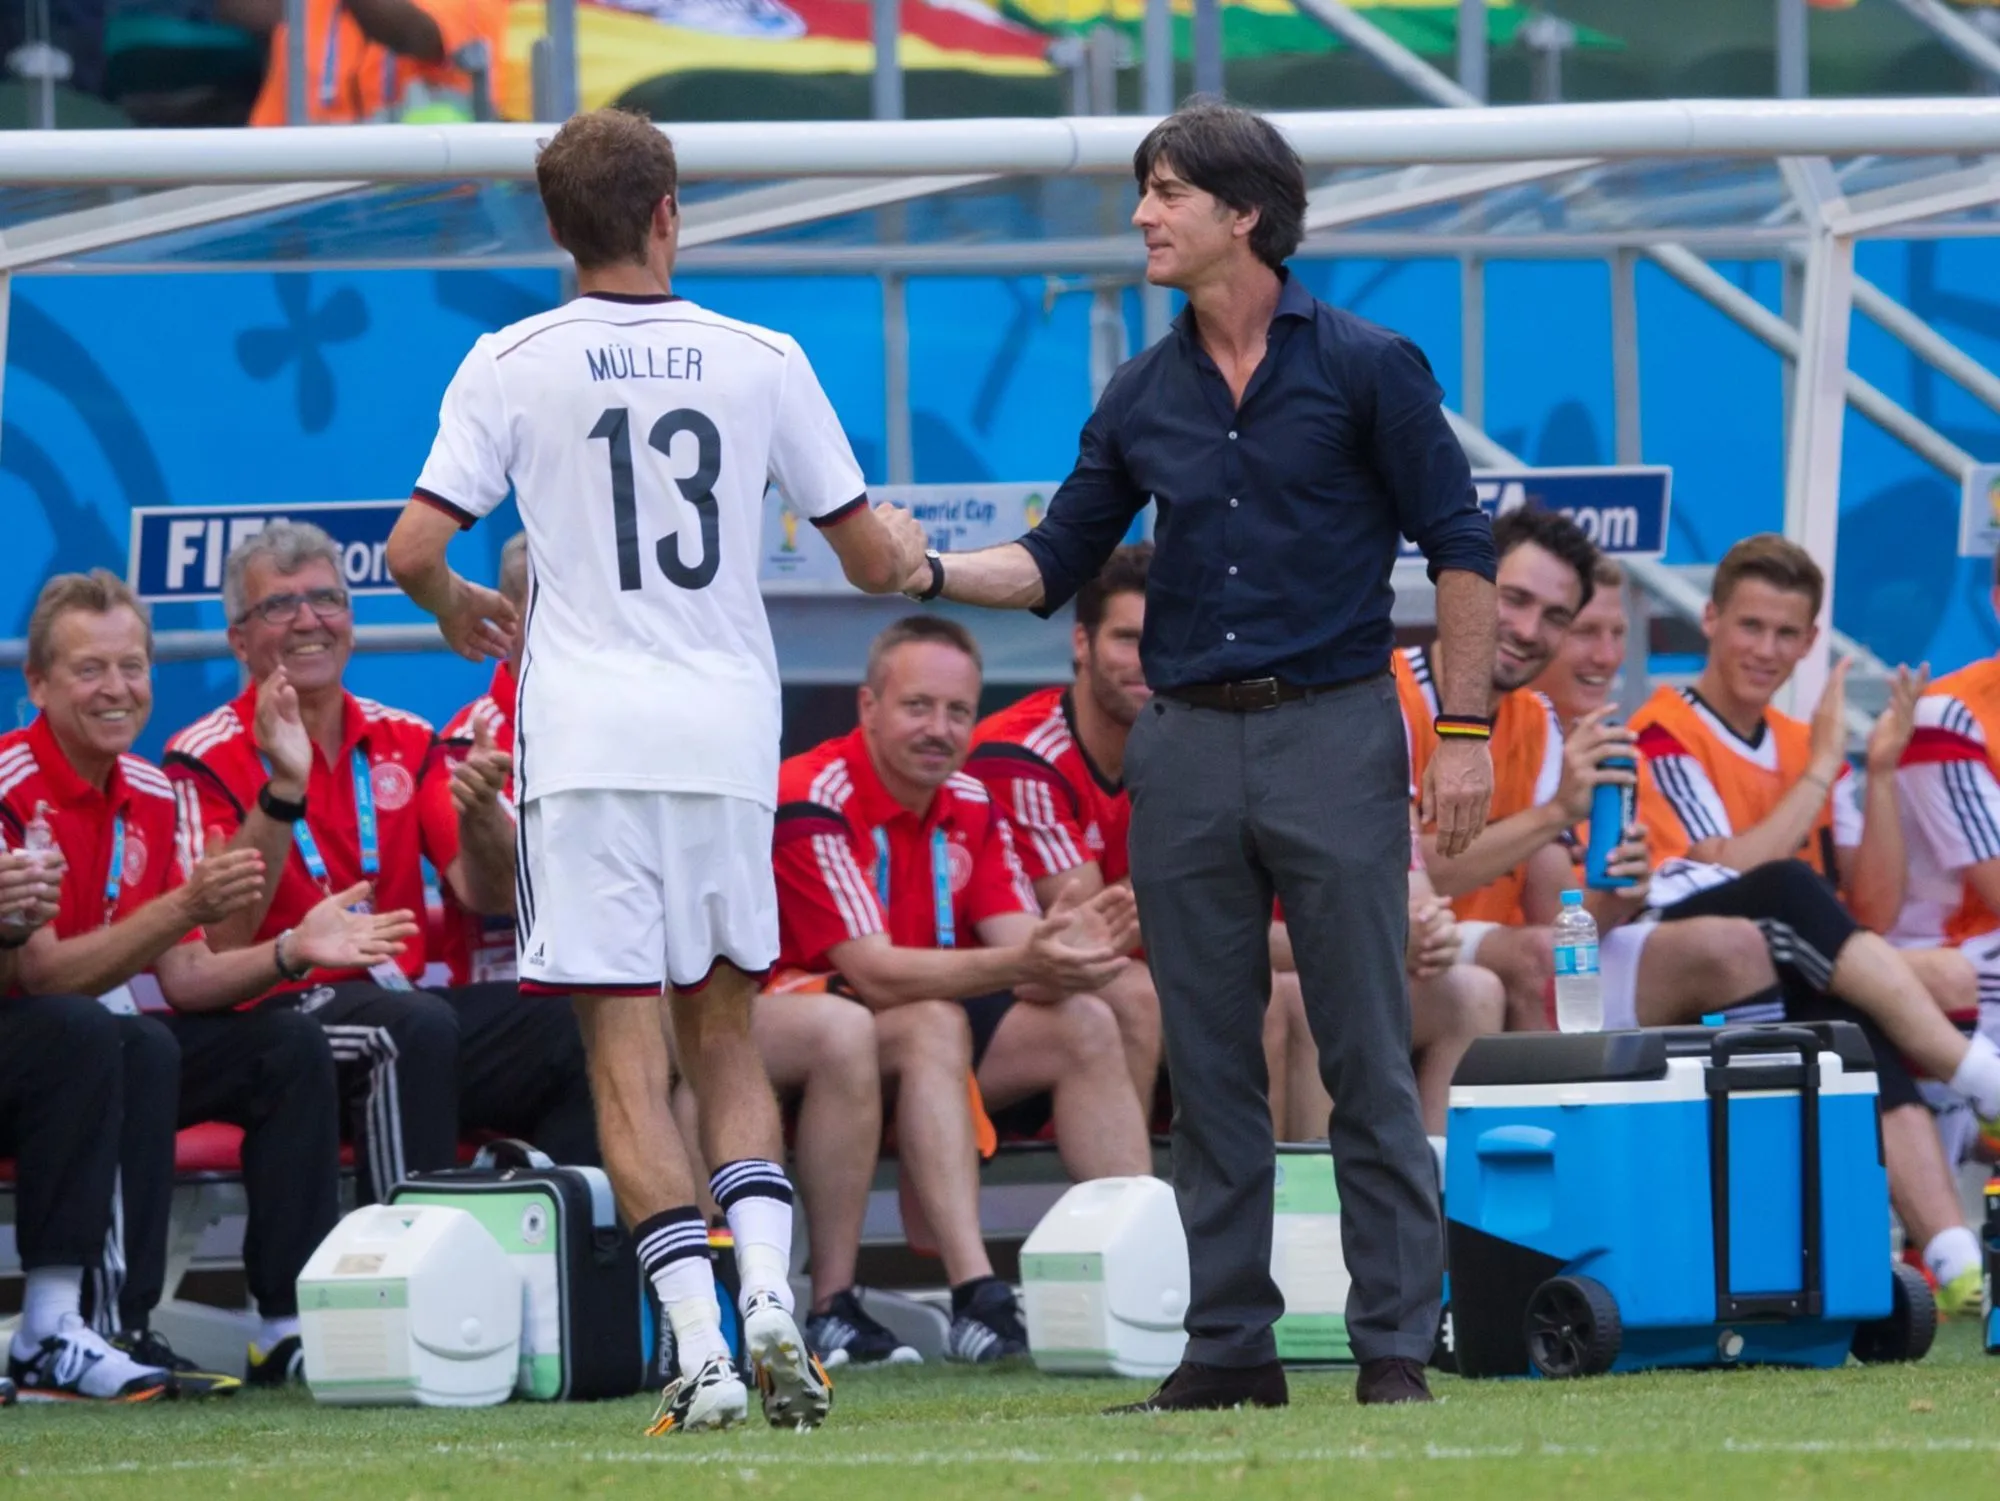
277,808
925,596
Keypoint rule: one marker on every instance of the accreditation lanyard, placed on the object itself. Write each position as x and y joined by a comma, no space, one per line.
947,925
118,1000
114,877
364,821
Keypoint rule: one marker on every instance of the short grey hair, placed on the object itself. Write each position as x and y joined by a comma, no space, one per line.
288,545
514,568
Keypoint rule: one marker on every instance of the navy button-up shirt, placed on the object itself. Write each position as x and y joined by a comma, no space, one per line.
1278,519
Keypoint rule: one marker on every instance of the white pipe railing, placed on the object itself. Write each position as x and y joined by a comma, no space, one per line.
1084,144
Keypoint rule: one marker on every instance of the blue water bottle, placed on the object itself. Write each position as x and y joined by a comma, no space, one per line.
1611,809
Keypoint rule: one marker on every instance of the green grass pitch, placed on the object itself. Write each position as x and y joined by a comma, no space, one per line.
1931,1430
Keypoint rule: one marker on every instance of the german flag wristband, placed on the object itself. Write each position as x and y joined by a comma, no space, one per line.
1462,727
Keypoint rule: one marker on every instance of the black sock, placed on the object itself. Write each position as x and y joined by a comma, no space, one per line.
965,1292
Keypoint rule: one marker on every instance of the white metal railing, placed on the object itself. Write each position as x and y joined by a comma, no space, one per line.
1101,144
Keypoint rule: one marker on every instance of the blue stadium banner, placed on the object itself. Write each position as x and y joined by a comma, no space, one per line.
1622,508
177,551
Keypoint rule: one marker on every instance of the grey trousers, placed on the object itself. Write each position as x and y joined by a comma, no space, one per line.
1307,802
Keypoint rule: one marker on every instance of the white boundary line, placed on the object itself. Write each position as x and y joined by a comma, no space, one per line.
722,1453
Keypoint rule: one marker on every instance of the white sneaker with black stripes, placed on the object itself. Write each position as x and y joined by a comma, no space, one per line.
846,1335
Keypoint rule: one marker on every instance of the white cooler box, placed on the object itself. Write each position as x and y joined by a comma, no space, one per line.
1105,1274
1105,1280
411,1304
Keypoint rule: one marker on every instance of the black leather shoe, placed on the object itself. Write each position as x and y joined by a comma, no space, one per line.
1206,1388
1391,1380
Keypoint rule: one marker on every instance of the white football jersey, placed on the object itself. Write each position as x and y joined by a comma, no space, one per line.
638,436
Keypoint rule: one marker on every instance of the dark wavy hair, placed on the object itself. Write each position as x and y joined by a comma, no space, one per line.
1238,157
1554,533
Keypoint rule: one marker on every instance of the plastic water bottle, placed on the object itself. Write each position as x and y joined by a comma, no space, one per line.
1579,989
38,839
38,842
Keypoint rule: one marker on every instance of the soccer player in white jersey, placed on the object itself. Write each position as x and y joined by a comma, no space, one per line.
638,432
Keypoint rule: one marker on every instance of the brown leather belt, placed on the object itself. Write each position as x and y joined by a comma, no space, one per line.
1255,695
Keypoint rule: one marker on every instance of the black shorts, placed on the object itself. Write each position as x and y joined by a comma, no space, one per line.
1805,927
1024,1120
984,1014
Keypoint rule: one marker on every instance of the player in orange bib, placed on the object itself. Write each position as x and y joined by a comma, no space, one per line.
1951,798
1730,784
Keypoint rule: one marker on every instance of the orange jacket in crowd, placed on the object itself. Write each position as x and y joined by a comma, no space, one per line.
352,80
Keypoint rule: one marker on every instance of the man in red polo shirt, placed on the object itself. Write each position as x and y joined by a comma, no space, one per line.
898,879
134,900
326,786
1055,762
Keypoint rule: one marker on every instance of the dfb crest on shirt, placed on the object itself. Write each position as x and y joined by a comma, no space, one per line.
394,787
959,858
135,860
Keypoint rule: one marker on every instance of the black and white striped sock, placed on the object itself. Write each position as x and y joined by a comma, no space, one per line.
673,1253
756,1196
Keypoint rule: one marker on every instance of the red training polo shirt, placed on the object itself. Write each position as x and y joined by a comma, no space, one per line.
158,827
831,805
218,756
1065,812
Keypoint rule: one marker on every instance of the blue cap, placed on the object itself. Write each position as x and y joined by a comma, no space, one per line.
1572,898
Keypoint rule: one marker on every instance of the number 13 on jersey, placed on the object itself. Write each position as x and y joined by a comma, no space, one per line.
614,425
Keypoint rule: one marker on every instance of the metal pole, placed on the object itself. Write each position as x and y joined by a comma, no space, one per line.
1472,336
295,62
1625,356
1157,58
1629,448
1899,422
565,90
1926,343
902,463
1208,47
1548,37
1812,456
1156,55
1472,47
1791,307
1793,57
1101,65
888,88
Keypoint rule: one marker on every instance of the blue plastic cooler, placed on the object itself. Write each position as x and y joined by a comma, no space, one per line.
1685,1196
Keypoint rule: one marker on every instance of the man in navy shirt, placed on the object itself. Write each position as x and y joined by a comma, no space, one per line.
1286,444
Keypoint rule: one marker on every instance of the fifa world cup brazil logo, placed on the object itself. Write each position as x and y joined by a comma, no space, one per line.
788,521
1033,509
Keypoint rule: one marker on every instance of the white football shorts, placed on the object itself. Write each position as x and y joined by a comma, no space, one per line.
624,892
